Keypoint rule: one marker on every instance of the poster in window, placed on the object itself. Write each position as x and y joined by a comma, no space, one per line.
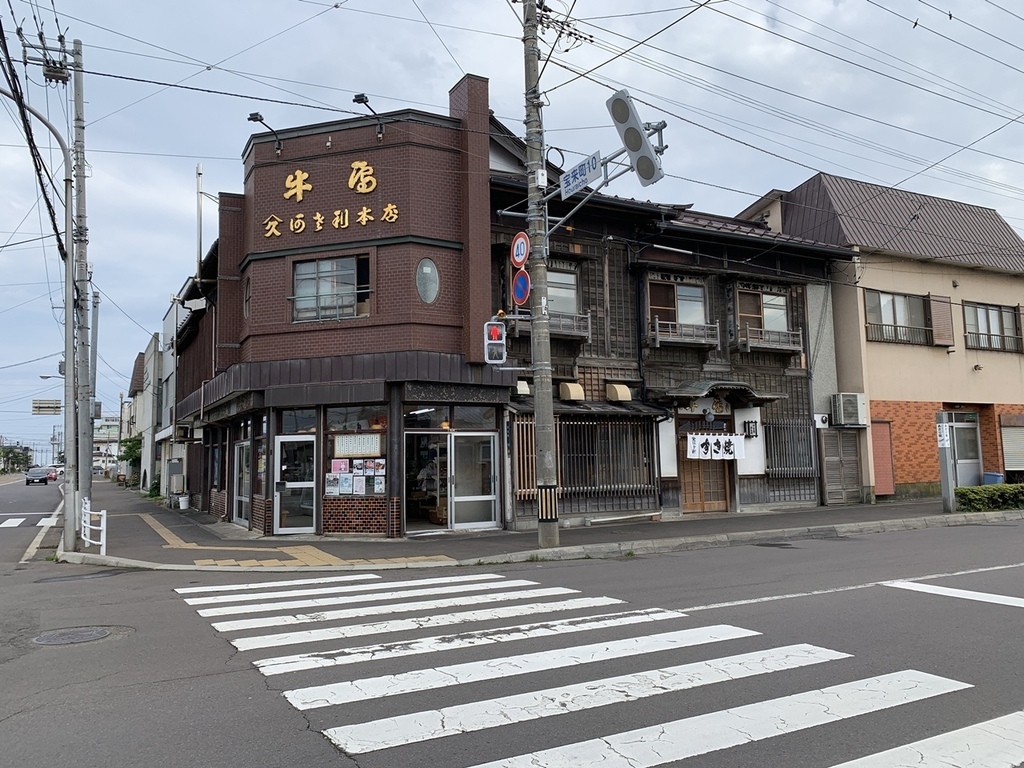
357,466
378,484
358,485
380,466
339,465
345,484
332,485
349,446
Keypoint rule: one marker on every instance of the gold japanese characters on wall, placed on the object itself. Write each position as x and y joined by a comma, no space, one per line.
361,181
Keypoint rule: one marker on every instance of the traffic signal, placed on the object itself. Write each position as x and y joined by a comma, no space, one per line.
646,162
494,342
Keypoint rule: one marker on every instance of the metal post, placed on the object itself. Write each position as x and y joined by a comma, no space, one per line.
85,391
540,329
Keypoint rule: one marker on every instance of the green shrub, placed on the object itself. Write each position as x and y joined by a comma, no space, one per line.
154,487
985,498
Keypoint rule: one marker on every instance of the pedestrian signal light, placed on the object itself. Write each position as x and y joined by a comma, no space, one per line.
645,160
495,352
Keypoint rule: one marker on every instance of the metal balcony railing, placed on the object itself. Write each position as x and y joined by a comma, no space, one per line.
899,334
687,334
763,339
560,325
995,342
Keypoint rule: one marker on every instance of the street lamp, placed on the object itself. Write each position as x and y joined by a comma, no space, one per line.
70,262
256,117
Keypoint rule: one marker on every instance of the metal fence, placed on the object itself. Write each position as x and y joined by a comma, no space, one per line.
94,526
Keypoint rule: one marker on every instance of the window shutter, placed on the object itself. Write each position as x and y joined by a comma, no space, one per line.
941,311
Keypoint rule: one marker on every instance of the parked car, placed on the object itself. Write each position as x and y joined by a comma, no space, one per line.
58,469
36,475
51,473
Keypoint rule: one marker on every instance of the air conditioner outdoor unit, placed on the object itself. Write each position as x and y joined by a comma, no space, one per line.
849,410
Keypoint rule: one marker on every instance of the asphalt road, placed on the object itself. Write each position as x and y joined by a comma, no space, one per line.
22,507
747,656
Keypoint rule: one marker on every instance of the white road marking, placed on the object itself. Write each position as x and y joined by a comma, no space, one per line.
284,620
266,584
349,691
34,546
338,590
422,622
12,522
491,713
46,522
319,602
963,594
995,743
691,736
834,590
440,643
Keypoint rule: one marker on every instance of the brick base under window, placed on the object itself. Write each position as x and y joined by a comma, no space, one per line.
377,515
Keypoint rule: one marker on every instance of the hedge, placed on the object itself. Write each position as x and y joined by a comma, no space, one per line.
985,498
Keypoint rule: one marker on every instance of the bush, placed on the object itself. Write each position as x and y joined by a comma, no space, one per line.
154,487
985,498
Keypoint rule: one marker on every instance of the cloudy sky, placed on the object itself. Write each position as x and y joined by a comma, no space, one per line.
757,94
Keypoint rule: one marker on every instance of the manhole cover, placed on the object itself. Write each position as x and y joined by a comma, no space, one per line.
72,636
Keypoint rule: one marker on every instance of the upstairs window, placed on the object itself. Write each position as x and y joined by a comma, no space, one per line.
992,327
677,303
898,318
330,289
562,293
766,311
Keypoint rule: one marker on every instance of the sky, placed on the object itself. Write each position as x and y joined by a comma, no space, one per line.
757,95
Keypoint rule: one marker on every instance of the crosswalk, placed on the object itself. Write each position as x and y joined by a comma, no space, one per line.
24,522
386,665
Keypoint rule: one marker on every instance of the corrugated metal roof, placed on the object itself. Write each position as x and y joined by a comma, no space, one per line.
849,212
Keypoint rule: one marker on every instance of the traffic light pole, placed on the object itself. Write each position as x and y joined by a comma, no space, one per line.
546,473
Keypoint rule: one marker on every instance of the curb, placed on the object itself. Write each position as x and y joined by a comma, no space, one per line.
607,550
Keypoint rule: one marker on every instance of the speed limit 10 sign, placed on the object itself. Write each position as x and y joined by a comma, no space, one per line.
520,249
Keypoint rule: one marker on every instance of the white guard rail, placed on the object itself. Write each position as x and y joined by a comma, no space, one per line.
94,524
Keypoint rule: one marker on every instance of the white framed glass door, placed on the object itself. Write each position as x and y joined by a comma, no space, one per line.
243,484
473,480
294,484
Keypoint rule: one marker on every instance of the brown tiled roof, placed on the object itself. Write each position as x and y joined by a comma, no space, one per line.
849,212
689,219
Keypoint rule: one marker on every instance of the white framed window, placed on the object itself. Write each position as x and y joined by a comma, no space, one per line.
330,289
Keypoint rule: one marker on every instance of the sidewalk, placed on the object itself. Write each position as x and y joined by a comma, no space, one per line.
144,534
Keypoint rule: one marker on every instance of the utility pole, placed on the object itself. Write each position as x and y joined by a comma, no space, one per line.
84,377
540,325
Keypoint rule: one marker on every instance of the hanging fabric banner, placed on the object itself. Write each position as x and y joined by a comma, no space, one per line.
714,446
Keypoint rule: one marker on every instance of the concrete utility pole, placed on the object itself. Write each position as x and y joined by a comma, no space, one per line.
540,326
84,377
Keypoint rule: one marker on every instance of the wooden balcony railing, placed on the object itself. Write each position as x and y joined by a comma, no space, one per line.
686,334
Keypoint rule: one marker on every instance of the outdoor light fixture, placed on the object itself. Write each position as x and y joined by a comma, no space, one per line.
256,117
750,428
362,98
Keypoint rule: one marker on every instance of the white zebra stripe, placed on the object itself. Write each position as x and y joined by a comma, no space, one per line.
421,622
381,610
439,643
480,715
691,736
350,691
963,594
269,584
12,522
216,599
318,602
995,743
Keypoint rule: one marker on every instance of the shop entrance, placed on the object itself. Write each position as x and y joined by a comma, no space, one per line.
243,483
451,481
704,484
294,485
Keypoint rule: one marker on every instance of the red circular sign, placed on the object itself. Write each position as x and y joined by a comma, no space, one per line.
520,249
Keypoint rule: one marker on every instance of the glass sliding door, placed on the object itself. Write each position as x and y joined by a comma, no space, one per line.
295,484
243,484
473,494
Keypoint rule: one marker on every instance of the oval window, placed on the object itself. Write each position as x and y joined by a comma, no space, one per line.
427,282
